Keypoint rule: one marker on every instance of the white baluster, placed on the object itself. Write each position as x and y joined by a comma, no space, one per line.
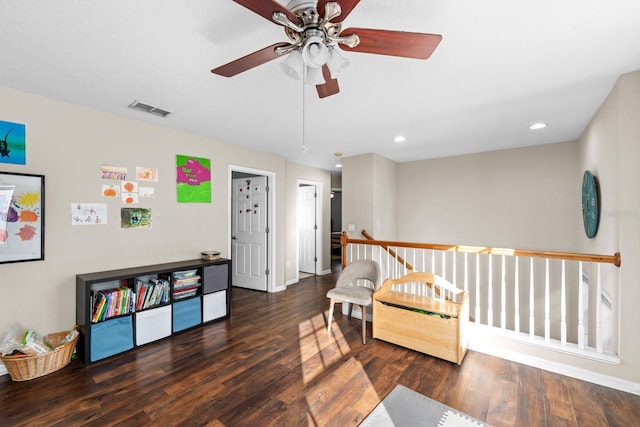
547,315
563,308
396,265
444,270
404,260
532,318
490,293
598,310
516,297
454,267
477,288
580,309
433,261
466,272
389,273
413,252
503,296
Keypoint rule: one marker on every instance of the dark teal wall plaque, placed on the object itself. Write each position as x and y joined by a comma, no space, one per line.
590,204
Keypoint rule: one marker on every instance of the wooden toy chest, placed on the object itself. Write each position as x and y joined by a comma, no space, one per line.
426,324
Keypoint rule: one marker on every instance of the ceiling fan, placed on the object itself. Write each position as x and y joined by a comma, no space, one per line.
315,30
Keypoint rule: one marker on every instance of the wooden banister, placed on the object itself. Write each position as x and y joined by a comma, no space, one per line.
614,259
391,252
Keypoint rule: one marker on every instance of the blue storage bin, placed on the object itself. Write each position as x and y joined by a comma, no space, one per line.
186,314
111,337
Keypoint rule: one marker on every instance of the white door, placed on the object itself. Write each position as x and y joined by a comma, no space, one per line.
307,228
249,232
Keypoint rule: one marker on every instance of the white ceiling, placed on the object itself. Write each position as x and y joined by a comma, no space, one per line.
501,65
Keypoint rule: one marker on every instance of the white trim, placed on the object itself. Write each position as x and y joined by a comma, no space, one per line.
325,272
3,369
542,342
478,344
291,282
271,223
319,221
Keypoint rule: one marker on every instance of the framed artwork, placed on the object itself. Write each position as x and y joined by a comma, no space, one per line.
21,217
12,143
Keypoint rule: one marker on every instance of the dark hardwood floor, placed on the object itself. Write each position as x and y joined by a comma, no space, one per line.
272,363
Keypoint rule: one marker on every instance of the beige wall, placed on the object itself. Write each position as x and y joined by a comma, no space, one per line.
68,143
610,148
369,196
525,198
357,194
385,193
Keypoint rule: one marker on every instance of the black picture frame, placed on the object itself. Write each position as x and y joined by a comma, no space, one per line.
21,219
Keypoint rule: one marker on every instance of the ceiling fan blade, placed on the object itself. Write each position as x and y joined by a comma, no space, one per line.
393,43
266,8
346,5
330,87
247,62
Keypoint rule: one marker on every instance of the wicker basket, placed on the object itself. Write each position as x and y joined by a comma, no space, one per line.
30,367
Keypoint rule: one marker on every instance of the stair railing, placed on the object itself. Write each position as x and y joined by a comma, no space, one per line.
544,297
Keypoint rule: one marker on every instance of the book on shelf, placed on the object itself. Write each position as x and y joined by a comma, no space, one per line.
185,293
111,303
186,280
184,274
152,293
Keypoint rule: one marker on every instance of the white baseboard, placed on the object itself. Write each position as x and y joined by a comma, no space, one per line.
291,282
3,369
556,367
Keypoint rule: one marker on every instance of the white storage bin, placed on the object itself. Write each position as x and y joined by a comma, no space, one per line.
214,306
151,325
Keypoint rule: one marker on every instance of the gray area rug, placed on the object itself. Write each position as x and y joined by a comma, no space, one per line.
404,407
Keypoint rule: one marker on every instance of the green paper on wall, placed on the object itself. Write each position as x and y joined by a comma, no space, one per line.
193,182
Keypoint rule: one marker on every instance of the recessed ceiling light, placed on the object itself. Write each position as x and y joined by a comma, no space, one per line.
537,126
338,154
398,139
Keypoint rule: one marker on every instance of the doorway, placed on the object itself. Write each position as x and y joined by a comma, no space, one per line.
250,245
309,207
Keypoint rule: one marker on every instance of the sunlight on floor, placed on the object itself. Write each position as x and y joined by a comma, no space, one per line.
327,369
318,351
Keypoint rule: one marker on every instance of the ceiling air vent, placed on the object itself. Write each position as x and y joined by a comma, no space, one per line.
141,106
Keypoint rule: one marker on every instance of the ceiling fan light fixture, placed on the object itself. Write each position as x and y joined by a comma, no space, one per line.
314,76
292,65
315,53
337,63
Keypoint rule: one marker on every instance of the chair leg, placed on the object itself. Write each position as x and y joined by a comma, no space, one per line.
330,318
350,309
364,324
